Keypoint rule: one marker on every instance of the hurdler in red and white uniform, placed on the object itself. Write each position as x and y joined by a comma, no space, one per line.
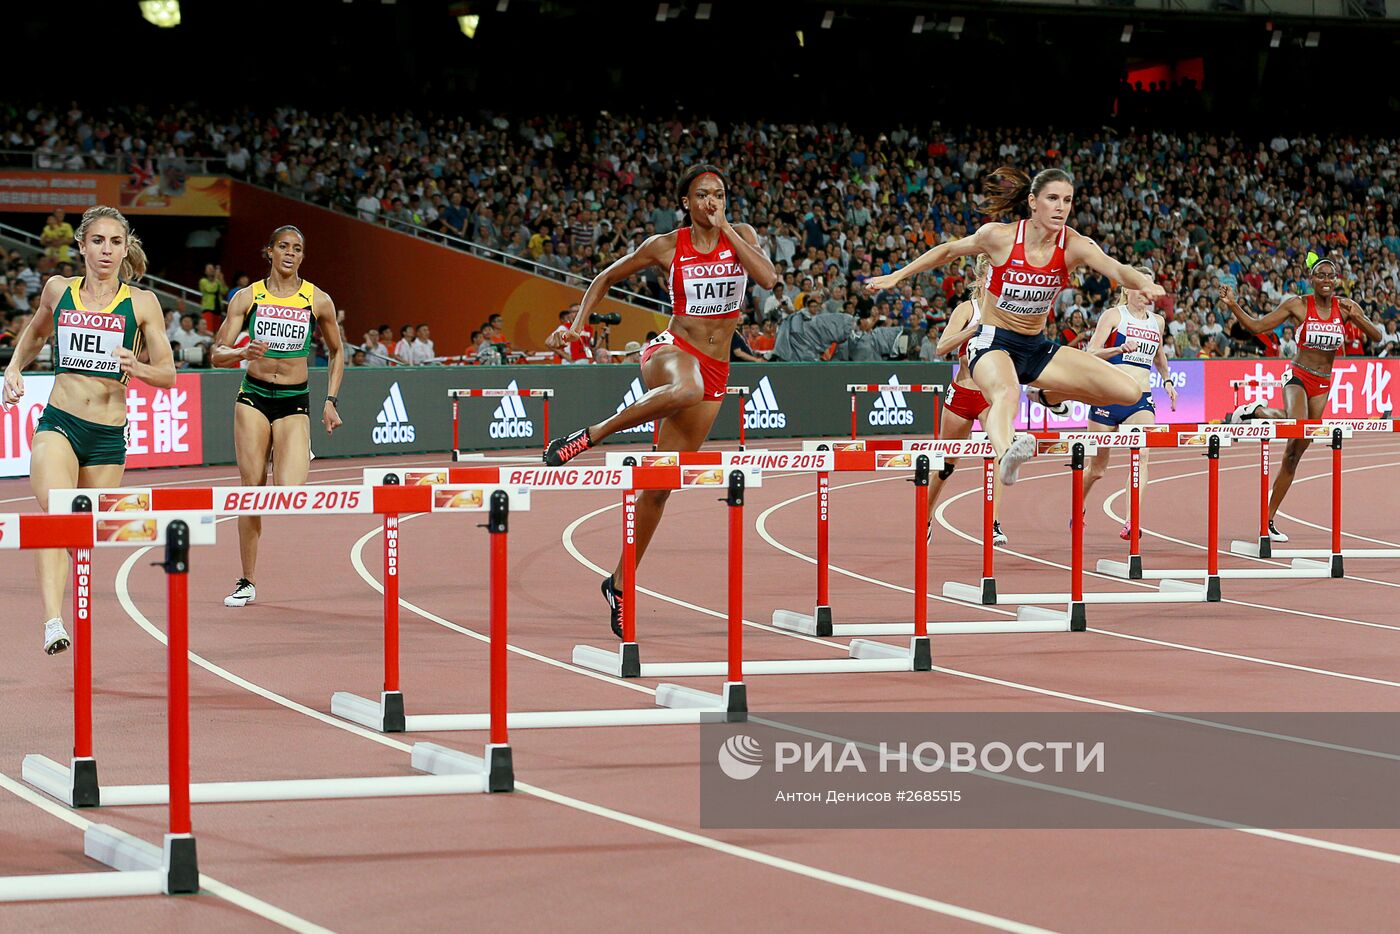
1320,338
708,262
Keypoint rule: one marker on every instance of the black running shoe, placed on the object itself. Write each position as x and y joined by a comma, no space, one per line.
614,598
563,450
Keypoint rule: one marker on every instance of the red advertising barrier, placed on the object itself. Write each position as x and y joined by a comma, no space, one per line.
164,426
1362,387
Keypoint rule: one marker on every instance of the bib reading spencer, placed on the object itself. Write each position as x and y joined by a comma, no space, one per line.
86,339
284,324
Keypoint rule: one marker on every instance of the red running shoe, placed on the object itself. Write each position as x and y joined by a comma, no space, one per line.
563,450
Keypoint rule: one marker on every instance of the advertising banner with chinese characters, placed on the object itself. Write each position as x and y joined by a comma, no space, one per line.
1362,387
168,191
164,427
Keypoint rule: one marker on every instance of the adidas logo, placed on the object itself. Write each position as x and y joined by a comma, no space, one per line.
509,421
890,408
762,410
393,426
635,392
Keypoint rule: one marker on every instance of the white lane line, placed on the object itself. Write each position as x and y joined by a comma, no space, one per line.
857,885
207,884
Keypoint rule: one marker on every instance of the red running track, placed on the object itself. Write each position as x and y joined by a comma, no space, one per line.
604,830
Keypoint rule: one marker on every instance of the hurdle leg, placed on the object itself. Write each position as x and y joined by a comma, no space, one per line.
180,862
919,649
546,423
391,700
735,692
655,434
1135,514
1265,543
989,479
1213,520
500,769
1336,563
83,787
1077,619
456,433
853,416
821,615
631,659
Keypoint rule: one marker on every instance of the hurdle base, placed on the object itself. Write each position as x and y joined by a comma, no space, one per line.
917,657
607,662
1212,588
385,716
180,864
1169,591
630,665
84,791
1135,567
500,768
1266,546
1078,620
817,624
1335,566
1299,568
984,594
736,702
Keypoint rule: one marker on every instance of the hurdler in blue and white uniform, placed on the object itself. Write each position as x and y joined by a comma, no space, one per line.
1129,335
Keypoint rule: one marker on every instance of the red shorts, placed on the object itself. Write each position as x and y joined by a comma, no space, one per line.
714,372
968,403
1312,385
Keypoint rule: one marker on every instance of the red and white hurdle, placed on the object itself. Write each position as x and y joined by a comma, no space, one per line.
142,868
456,395
448,771
857,389
741,391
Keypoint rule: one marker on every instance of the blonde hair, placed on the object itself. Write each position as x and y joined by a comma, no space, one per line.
134,265
980,272
1122,298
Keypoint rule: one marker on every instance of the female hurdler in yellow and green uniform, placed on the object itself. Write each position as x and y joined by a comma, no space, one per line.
103,325
273,407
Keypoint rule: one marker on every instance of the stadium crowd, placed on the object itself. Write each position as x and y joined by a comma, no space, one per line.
834,206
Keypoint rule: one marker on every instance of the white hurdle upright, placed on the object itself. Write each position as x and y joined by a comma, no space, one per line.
141,868
881,455
675,704
862,657
449,771
1167,436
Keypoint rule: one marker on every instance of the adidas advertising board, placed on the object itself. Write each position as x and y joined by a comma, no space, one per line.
509,419
392,425
762,411
635,392
890,408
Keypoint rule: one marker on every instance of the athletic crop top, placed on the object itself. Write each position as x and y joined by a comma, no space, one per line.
1021,289
1142,330
972,322
284,324
86,339
706,285
1319,333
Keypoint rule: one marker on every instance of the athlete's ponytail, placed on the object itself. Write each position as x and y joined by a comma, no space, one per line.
1122,298
683,188
980,273
134,265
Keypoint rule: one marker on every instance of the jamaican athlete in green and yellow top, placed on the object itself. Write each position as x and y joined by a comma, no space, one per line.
86,338
283,324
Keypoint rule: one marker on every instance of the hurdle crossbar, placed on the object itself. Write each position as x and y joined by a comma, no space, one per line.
456,395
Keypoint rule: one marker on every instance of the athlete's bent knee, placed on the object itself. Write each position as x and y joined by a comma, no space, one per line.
684,395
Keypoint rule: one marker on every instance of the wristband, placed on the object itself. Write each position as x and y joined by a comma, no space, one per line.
334,400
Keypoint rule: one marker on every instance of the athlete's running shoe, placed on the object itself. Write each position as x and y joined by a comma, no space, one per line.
1126,532
614,598
243,594
928,533
1275,535
55,637
1059,409
1022,449
1244,413
998,536
563,450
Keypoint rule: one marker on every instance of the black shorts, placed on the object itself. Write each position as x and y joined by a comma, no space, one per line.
1030,353
272,400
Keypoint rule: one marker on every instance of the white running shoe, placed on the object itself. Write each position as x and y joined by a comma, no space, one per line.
998,536
1243,413
1275,535
55,637
243,594
1022,449
1059,409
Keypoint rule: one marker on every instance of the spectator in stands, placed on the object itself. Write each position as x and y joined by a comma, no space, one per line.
423,350
803,336
358,358
211,290
187,339
375,354
403,347
1389,344
57,238
1287,346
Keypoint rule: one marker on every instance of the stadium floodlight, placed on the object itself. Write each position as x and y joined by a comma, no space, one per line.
828,19
702,11
955,25
918,25
468,25
162,13
502,5
801,40
1313,39
1276,38
1127,34
663,10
